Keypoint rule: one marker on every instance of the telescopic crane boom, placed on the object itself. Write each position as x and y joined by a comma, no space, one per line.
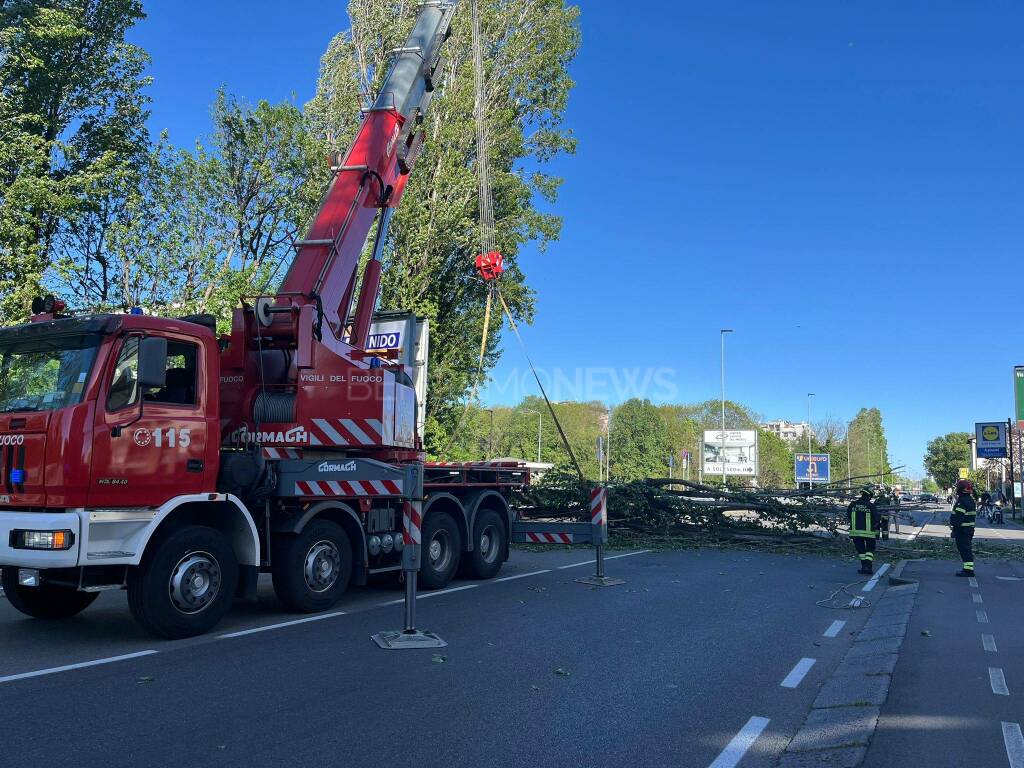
368,184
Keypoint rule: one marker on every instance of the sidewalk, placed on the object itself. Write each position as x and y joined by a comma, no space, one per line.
957,695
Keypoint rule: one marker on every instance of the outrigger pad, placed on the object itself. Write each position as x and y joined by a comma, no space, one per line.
600,581
415,638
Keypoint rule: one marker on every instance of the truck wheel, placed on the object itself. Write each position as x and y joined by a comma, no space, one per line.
185,584
46,601
311,570
488,545
440,550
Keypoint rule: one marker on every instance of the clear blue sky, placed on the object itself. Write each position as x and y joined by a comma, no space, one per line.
840,182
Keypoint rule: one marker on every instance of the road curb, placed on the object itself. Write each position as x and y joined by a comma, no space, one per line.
844,715
896,577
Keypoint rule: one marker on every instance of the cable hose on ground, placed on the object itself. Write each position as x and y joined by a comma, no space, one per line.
858,602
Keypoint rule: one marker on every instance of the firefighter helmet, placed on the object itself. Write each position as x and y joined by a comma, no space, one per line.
964,486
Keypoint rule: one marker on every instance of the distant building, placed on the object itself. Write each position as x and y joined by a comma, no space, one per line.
787,430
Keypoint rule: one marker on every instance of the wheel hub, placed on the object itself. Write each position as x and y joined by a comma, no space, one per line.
195,582
488,544
322,566
439,551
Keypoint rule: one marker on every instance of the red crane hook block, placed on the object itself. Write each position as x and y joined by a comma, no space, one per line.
490,265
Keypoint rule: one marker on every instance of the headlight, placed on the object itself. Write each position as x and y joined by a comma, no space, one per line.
374,545
387,543
42,539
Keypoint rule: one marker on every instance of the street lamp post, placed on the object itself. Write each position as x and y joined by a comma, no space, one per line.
849,466
722,455
810,483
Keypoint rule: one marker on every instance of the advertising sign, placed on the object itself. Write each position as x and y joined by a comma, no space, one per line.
812,467
991,439
1018,395
737,453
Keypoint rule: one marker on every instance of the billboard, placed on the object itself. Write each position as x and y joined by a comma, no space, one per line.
737,453
991,439
1018,395
812,467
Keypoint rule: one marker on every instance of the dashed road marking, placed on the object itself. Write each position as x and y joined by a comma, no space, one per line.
973,582
424,595
798,673
834,628
976,597
1009,578
741,742
1014,741
267,627
874,579
80,665
997,680
982,617
629,554
988,642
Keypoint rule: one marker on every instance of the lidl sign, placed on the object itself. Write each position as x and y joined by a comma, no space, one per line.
991,439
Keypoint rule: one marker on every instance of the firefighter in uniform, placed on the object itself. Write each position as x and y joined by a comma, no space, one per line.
962,522
864,527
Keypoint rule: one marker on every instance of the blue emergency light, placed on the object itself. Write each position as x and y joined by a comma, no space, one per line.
17,476
135,311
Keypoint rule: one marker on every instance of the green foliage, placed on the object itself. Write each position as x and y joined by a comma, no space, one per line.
434,235
72,132
945,455
638,441
868,445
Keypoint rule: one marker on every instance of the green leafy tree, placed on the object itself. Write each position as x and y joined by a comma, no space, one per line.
435,234
945,455
638,441
72,134
868,444
775,465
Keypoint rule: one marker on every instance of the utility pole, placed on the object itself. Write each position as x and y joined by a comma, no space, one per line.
849,466
810,483
722,455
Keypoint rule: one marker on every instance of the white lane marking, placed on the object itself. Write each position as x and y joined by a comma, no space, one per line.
797,674
973,582
630,554
424,595
997,680
576,565
1014,741
80,665
982,617
292,623
976,597
523,575
1009,578
874,579
741,742
988,642
835,628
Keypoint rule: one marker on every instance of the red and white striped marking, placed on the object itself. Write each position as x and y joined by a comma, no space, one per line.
599,506
476,464
549,538
412,520
346,432
348,488
282,453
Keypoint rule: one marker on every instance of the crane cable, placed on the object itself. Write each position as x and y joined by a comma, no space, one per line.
487,244
485,204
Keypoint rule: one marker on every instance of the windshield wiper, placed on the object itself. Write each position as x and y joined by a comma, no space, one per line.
20,408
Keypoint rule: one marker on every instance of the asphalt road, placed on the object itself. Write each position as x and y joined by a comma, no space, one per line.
947,705
700,659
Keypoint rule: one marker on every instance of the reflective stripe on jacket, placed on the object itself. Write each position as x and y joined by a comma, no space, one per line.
965,511
864,521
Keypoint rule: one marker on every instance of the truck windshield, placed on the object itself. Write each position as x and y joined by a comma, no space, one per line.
45,373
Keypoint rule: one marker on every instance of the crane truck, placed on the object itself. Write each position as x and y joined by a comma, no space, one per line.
148,454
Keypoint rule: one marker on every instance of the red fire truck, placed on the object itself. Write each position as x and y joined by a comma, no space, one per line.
149,454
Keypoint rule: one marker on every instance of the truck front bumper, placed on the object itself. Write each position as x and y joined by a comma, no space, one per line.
13,522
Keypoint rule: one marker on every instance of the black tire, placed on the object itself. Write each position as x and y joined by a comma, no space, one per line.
440,535
312,569
46,601
185,583
489,545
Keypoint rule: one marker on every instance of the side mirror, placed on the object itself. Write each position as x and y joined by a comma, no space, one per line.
152,363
